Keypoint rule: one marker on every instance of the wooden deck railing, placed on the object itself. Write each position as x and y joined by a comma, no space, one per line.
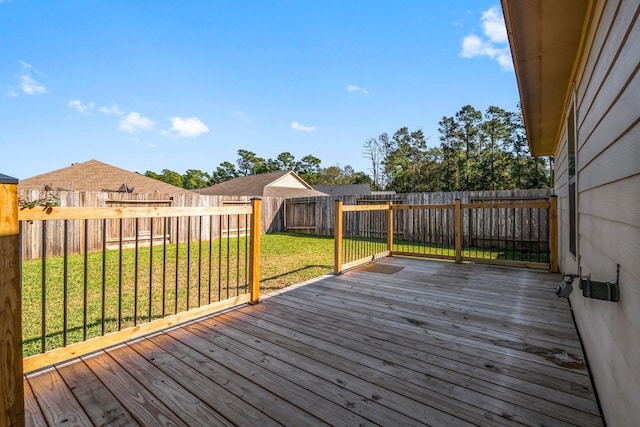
507,233
81,300
76,304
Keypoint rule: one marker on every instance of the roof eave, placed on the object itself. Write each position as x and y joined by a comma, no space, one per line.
544,36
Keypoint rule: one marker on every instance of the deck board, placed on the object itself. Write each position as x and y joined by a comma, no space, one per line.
270,404
398,342
450,317
137,400
399,355
100,405
448,351
200,386
58,403
477,391
32,413
317,369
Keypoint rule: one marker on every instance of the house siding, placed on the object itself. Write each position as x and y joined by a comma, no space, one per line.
607,97
288,181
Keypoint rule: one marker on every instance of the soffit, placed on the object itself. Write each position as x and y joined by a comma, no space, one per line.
544,36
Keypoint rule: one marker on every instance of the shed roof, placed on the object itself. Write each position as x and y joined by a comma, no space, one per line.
97,176
344,189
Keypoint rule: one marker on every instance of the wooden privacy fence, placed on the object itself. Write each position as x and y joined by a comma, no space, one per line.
505,233
149,230
315,215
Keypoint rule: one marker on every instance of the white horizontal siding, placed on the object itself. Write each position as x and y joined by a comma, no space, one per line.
615,135
288,181
616,202
611,48
608,168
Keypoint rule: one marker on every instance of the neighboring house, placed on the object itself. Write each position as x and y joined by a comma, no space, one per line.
344,189
97,176
274,184
576,63
96,184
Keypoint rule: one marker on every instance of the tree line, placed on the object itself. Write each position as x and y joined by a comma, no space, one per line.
249,163
476,152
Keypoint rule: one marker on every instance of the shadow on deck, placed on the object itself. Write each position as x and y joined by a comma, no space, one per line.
397,342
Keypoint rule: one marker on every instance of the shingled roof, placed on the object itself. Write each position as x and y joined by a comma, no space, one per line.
345,189
274,184
97,176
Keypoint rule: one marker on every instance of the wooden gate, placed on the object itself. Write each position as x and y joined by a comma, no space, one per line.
300,216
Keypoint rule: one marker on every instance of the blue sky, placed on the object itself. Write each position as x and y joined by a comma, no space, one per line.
153,85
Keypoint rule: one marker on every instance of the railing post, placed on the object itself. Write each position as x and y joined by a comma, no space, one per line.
11,385
553,233
254,259
458,230
337,232
390,229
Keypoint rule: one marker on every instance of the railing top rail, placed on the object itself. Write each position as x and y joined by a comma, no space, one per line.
486,205
514,204
356,208
432,206
62,213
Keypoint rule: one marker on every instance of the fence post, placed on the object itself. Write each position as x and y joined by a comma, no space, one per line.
457,224
337,233
390,229
11,385
254,258
553,233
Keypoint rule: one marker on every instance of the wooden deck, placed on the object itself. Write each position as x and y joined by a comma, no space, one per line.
397,342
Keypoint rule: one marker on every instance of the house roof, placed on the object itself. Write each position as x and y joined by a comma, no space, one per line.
545,37
97,176
6,179
344,189
274,184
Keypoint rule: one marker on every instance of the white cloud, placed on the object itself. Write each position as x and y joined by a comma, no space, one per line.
493,25
27,83
297,126
111,110
134,123
495,46
30,86
190,127
82,108
354,88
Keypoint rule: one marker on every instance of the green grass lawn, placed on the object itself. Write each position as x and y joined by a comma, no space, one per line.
354,248
285,259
